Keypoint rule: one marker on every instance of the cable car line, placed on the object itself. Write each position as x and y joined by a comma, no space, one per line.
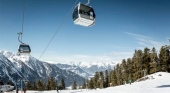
23,19
58,29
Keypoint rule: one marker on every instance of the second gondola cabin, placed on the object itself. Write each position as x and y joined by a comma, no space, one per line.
84,15
24,50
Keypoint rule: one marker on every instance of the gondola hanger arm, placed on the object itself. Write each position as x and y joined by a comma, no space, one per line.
88,2
19,34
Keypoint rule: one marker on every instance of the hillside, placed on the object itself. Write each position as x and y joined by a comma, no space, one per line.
161,84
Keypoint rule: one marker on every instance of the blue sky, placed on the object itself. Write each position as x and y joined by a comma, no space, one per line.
121,27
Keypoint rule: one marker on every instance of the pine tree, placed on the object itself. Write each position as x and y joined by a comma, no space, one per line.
130,69
101,79
96,80
62,84
48,85
106,83
134,66
91,84
84,84
74,85
168,60
146,60
79,87
154,61
45,86
1,82
162,59
40,85
52,84
87,83
34,86
110,78
114,77
119,75
124,70
28,85
138,64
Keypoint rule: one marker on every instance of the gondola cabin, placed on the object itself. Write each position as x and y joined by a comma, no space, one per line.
24,49
84,15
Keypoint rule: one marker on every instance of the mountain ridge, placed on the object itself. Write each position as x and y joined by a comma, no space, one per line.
27,67
89,67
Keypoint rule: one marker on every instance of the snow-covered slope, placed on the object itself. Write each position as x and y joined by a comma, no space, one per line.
29,68
161,84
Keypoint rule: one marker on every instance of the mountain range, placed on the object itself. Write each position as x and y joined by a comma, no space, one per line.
14,68
85,69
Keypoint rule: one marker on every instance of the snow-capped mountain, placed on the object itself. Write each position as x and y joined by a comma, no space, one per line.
15,67
88,67
74,69
92,67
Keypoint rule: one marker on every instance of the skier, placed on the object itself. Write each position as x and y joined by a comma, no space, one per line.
16,89
24,90
57,89
130,81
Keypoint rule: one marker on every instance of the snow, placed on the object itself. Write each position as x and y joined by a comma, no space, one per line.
14,56
160,84
87,64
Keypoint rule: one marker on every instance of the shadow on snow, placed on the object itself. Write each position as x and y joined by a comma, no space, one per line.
163,86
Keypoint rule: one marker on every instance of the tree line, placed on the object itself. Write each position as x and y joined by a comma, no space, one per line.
51,84
39,85
131,69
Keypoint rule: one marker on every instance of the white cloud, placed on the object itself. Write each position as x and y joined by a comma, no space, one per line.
138,36
145,41
141,43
